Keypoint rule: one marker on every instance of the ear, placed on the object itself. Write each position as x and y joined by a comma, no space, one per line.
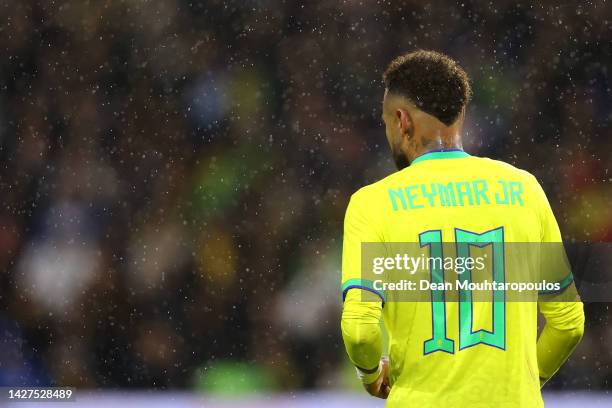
404,119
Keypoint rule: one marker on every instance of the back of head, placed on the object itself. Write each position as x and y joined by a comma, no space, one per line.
432,81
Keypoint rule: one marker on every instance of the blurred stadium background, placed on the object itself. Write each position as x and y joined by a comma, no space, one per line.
174,177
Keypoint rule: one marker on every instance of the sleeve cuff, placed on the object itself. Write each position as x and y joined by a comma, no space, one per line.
369,376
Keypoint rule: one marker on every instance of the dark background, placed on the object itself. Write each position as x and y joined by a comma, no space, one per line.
174,173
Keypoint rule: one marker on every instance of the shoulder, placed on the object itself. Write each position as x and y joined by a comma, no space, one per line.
369,202
529,181
372,193
509,169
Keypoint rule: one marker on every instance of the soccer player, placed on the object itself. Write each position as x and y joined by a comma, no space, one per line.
444,353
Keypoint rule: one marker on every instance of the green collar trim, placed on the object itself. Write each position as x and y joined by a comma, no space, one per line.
441,154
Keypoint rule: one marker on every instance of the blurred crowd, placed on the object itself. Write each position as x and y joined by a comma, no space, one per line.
175,173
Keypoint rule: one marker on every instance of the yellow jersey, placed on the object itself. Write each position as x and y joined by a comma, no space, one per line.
445,353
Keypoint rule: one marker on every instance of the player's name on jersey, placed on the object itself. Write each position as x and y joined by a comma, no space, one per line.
457,193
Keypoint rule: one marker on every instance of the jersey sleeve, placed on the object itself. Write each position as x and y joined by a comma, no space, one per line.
359,226
562,308
562,333
554,265
362,307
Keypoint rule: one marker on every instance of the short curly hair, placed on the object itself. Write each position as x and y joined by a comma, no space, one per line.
434,82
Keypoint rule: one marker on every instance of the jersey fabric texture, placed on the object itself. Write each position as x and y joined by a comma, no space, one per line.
445,192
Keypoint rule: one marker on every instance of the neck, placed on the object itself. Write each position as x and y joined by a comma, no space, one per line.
437,143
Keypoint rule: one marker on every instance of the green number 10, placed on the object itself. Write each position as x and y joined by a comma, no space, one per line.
467,337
